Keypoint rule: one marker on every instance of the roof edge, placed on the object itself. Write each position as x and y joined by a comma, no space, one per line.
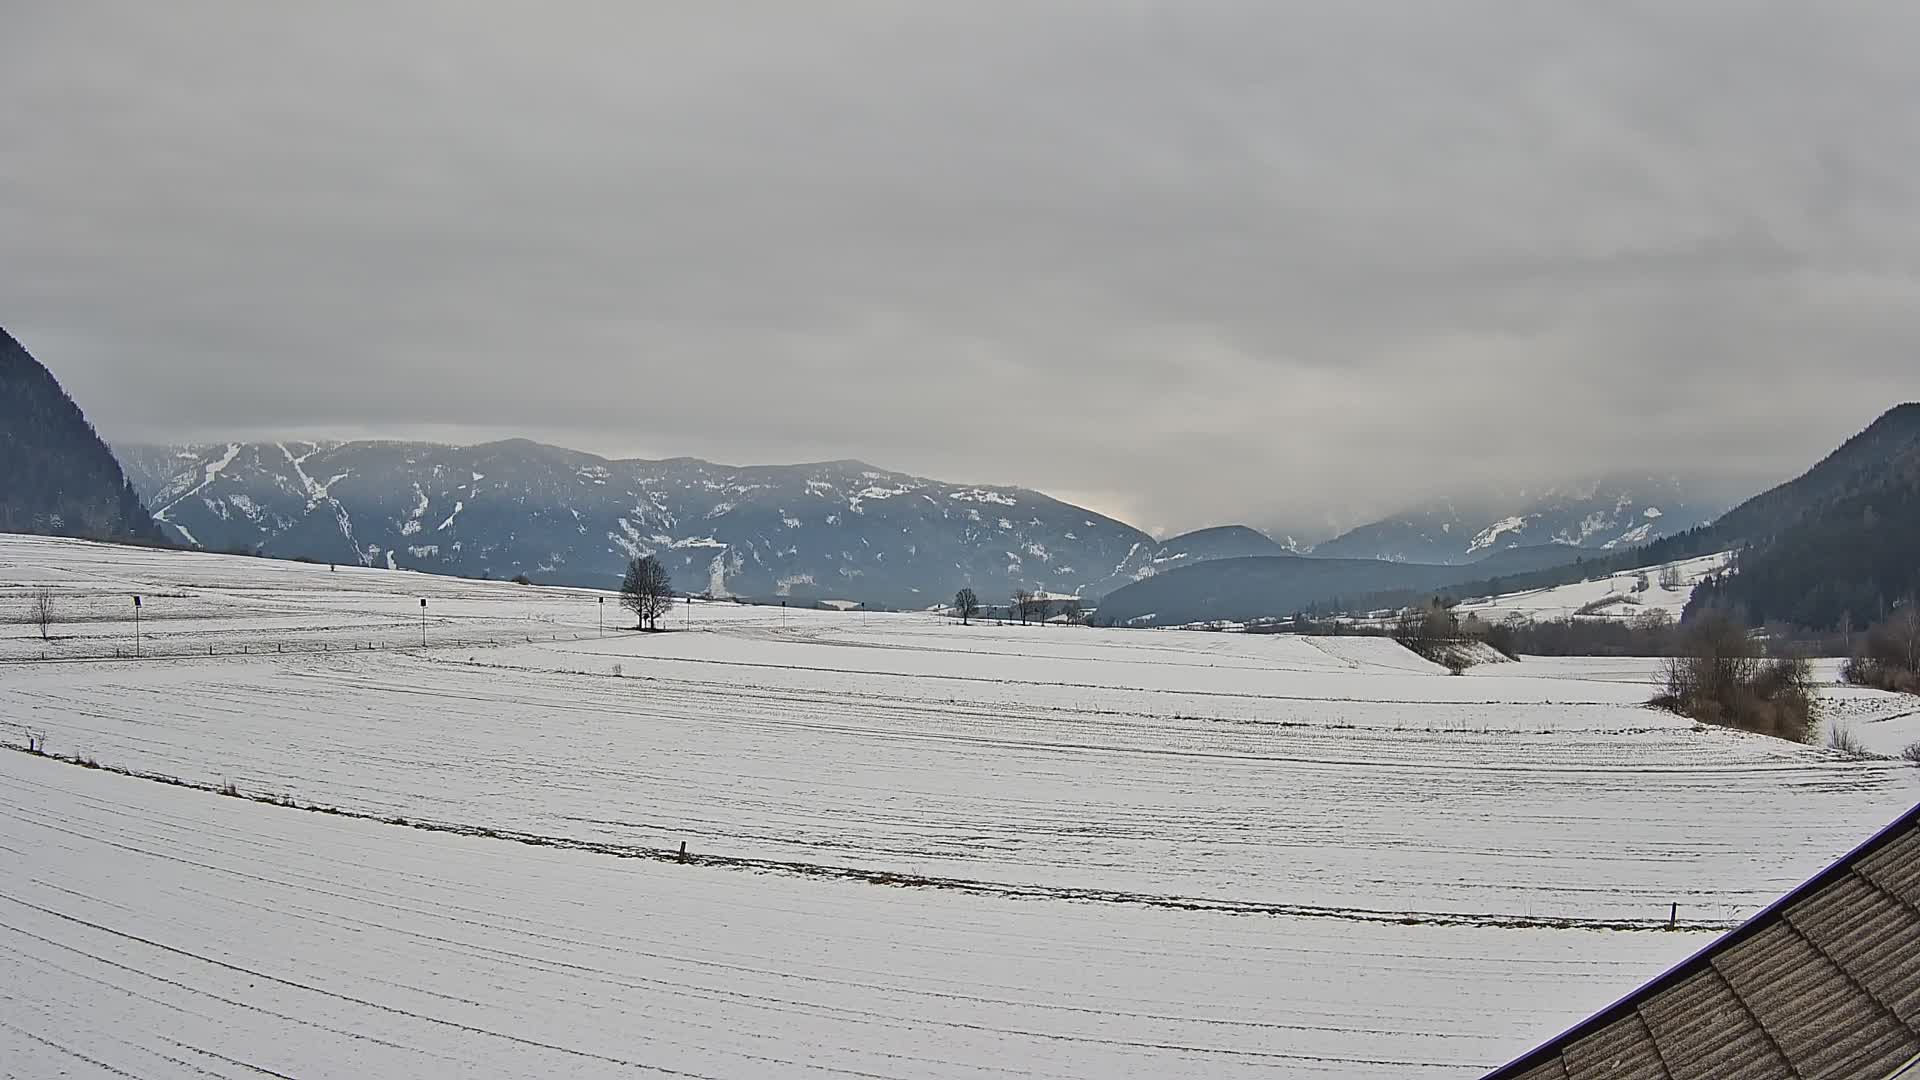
1553,1047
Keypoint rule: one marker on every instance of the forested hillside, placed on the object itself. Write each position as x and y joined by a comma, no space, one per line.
56,476
1845,550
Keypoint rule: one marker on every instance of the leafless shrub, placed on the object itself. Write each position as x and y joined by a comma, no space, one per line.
1844,740
1912,753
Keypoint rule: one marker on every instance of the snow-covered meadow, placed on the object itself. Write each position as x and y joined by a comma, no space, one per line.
916,848
1616,596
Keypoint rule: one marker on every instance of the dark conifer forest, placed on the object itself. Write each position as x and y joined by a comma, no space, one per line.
56,476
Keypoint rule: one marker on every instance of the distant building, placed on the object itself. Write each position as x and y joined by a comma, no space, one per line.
1825,983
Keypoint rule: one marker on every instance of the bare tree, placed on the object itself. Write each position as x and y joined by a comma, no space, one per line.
1903,632
1670,577
1022,604
647,591
40,612
966,605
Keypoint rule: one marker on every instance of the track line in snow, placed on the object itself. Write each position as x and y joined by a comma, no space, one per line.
874,876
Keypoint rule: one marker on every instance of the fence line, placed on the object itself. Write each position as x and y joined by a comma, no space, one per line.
160,651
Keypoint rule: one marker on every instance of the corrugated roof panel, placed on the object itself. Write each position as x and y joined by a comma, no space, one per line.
1874,937
1704,1033
1896,866
1823,1022
1617,1052
1623,1051
1551,1070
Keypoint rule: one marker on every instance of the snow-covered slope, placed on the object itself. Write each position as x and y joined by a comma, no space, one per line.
1617,596
1602,514
833,529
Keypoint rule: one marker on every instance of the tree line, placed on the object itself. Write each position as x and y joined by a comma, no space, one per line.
1025,605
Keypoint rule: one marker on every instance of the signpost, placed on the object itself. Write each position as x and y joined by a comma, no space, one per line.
603,616
136,627
423,622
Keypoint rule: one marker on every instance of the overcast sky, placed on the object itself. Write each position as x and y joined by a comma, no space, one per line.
1188,262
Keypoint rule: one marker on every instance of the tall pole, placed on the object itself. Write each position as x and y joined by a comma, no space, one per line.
423,622
136,627
603,616
689,611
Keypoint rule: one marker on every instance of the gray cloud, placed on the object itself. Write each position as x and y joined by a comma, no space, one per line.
1190,262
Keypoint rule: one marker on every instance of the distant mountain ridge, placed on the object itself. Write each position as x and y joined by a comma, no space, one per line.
56,476
840,529
1832,547
1602,514
1187,549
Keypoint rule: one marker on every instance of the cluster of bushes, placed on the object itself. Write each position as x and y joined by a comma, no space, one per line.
1435,632
1889,657
1719,676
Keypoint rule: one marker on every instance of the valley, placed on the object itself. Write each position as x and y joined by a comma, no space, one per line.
881,813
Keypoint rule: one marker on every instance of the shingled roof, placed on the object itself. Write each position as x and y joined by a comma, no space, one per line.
1824,983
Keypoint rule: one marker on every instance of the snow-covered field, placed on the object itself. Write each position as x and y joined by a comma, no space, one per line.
917,849
1613,597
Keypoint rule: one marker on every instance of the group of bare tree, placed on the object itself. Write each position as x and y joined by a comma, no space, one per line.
1720,675
1889,657
1026,605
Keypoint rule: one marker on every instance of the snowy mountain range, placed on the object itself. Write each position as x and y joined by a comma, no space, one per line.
840,529
1608,514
